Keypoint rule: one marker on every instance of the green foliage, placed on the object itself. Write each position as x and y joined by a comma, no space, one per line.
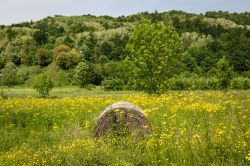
195,40
237,43
105,48
62,48
11,34
201,57
240,83
189,128
67,60
154,53
206,83
179,83
12,75
119,43
27,74
68,41
23,74
113,84
43,85
97,73
3,95
82,74
9,74
192,83
190,62
58,76
101,42
43,57
240,18
90,51
40,37
2,62
20,51
121,70
246,74
224,73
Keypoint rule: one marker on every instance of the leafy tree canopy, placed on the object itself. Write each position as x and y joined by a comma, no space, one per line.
154,51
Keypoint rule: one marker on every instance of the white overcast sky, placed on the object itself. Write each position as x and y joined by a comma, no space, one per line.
15,11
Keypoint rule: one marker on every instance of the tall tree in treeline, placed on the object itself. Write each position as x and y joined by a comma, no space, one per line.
154,53
43,57
65,57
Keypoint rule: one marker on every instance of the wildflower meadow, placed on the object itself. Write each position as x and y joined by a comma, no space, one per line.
188,128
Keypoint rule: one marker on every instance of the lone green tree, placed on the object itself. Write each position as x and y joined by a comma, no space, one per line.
82,74
153,51
224,73
43,85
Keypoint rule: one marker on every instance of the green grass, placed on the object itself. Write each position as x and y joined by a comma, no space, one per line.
70,91
188,128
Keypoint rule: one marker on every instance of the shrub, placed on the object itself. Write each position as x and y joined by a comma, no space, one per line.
206,83
224,73
9,74
113,84
97,74
70,77
43,85
33,73
3,95
246,74
121,69
82,74
192,83
57,75
240,83
90,86
179,83
23,74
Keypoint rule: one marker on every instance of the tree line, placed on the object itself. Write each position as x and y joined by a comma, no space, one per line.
89,50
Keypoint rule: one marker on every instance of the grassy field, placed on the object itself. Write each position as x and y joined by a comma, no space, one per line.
189,128
22,92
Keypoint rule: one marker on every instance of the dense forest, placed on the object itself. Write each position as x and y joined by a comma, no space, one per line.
88,50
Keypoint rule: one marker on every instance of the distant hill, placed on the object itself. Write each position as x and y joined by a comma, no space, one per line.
102,40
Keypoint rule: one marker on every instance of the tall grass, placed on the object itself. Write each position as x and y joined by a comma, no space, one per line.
189,128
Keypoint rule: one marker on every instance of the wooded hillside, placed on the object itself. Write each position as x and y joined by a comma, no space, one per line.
56,45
